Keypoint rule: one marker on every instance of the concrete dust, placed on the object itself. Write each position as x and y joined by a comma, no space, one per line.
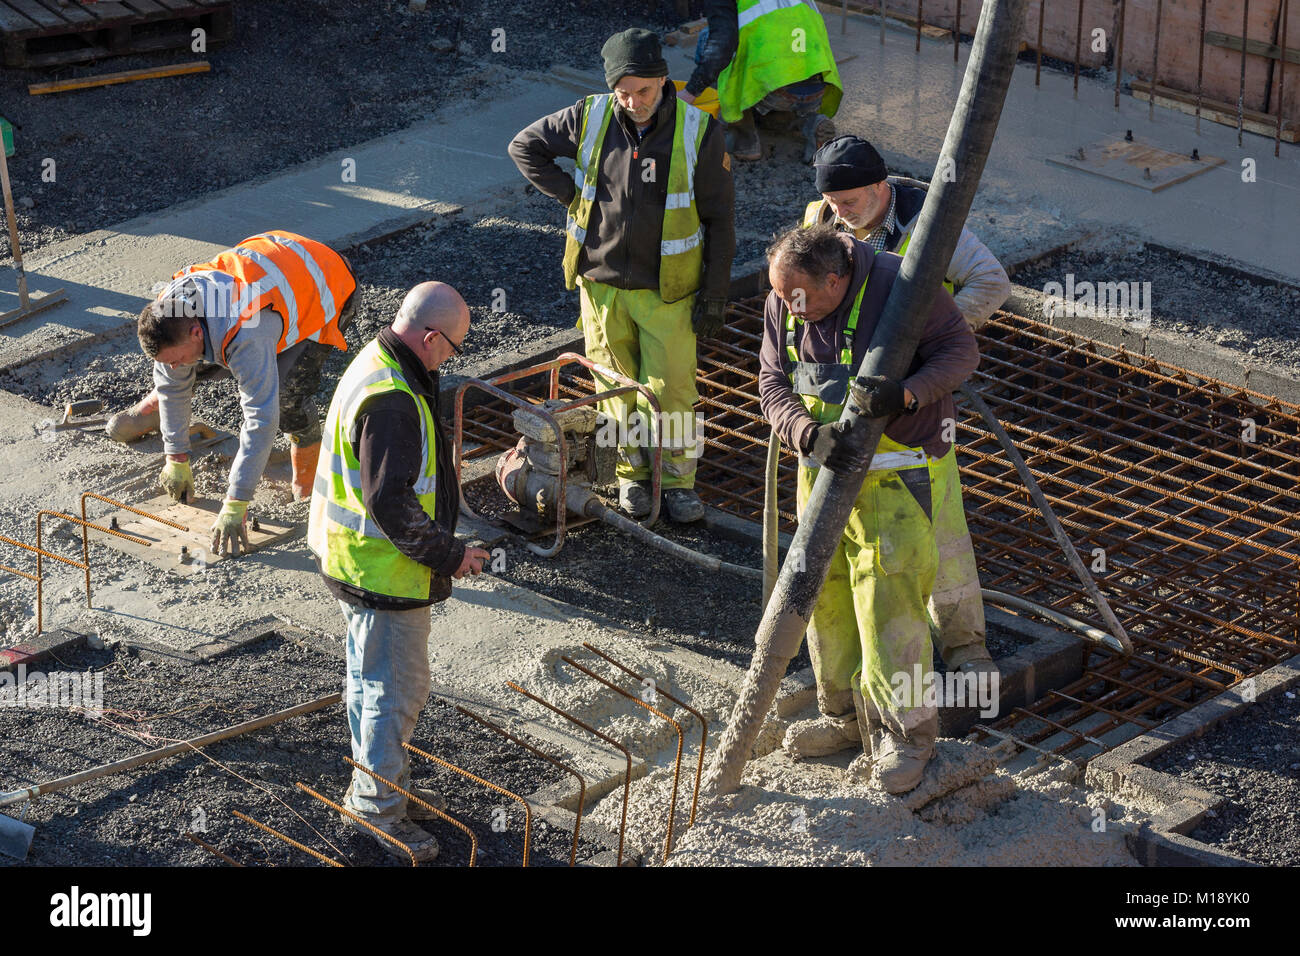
808,813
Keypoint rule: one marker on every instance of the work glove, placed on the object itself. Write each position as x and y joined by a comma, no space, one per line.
830,446
877,396
708,316
177,480
230,529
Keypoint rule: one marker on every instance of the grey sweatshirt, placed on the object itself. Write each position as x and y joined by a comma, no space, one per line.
252,360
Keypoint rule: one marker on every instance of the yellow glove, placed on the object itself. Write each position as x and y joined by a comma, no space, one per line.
177,479
230,529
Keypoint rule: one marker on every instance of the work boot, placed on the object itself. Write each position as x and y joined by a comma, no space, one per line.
136,422
745,146
434,799
818,130
421,843
634,498
303,458
684,505
900,762
821,735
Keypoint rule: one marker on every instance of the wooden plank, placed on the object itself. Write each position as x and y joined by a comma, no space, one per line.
1136,164
12,21
107,12
37,13
1257,47
126,76
177,4
164,551
1216,111
73,12
147,9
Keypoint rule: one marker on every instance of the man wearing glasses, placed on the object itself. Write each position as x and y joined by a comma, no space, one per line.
382,528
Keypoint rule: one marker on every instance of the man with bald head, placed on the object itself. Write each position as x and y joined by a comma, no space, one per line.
383,521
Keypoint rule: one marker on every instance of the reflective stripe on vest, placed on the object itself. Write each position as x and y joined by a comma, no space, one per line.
306,282
763,61
341,533
681,253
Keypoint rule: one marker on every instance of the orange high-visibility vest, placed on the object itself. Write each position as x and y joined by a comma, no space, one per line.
305,281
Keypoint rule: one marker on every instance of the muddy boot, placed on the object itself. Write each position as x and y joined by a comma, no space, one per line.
136,422
745,146
302,459
431,797
421,843
872,738
818,130
901,761
634,498
821,735
684,505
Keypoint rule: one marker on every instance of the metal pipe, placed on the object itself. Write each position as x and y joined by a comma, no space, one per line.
162,753
681,741
1281,79
1241,93
528,811
1155,64
1119,50
1124,645
893,346
1038,58
627,776
1078,46
1200,68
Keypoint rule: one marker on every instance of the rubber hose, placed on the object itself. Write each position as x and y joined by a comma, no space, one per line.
598,509
1094,634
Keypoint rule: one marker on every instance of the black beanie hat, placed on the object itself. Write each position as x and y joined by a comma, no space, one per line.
847,162
633,52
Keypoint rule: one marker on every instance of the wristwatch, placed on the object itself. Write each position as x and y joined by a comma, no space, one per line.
911,407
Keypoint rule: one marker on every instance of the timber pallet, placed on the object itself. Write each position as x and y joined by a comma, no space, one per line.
52,33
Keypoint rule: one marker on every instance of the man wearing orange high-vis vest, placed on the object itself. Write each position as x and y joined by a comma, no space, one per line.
268,310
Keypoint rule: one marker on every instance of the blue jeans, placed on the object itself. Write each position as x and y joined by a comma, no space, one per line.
387,687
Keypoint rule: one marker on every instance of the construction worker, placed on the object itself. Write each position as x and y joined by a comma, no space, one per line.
767,56
649,245
382,528
859,197
869,634
268,310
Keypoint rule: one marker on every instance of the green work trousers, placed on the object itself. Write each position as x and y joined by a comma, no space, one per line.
872,625
637,334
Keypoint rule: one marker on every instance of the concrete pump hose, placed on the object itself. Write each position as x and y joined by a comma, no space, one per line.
597,509
771,538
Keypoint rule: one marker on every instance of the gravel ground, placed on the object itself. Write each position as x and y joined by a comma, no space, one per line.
371,66
140,818
1253,760
1192,297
